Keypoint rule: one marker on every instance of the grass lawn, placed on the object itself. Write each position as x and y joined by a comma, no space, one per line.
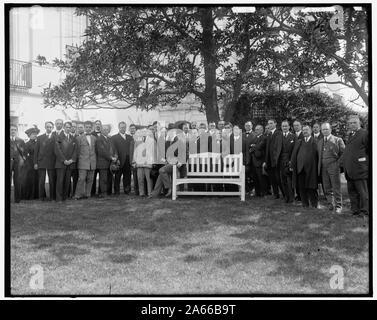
203,245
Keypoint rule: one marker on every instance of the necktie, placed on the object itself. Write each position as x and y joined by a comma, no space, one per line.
325,139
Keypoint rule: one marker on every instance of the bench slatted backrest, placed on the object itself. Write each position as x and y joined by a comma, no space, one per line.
214,165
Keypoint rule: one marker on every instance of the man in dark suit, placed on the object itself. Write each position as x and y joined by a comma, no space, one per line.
355,162
257,150
273,151
247,137
297,128
330,150
304,164
96,132
105,155
122,143
317,134
44,160
65,153
289,140
17,159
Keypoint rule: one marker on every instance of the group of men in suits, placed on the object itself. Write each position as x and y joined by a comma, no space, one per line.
291,163
70,156
299,161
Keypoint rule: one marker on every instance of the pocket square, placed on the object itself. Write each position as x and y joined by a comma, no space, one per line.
362,159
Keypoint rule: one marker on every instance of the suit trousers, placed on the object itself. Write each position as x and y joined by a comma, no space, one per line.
104,181
84,184
51,183
63,180
359,195
124,171
259,180
330,175
94,184
274,175
286,183
307,195
144,173
110,179
135,180
15,172
73,185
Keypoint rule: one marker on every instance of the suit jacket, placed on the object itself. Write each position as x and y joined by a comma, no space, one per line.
319,137
355,158
257,150
236,146
335,148
64,150
288,144
124,148
44,154
247,139
17,151
273,148
86,154
305,158
105,151
300,136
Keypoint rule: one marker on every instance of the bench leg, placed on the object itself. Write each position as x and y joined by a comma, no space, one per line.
243,183
173,184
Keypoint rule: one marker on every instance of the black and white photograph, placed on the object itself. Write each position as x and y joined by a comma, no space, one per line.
188,149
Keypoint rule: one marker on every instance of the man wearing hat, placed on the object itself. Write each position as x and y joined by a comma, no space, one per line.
17,149
44,160
29,186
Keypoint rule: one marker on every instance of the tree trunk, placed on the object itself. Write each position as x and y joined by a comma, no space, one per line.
208,51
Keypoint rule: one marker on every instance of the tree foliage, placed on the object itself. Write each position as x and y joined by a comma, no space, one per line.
306,106
150,56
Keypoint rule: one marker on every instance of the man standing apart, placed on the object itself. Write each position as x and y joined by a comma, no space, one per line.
330,150
86,162
123,145
44,160
356,167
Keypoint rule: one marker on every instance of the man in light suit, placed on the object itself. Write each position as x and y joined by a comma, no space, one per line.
86,162
44,160
356,167
330,150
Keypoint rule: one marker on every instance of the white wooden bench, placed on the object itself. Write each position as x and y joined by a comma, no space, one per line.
207,168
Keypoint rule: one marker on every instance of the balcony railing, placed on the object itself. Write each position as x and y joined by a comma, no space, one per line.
20,74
